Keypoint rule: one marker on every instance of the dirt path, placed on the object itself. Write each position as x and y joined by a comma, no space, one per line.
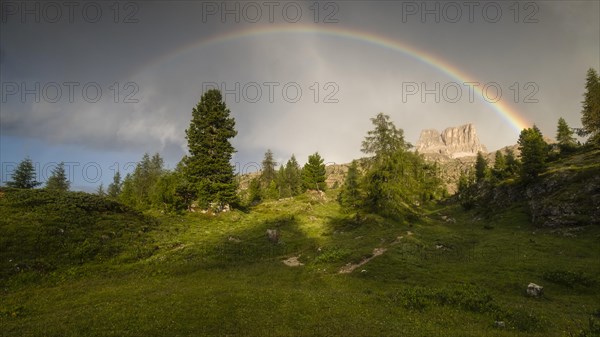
351,266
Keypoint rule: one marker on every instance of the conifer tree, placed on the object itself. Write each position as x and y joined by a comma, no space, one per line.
499,169
208,165
564,136
114,189
293,174
268,172
100,190
58,180
534,152
385,139
24,176
590,118
350,195
480,167
314,173
513,165
254,191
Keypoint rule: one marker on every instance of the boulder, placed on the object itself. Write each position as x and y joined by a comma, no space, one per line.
535,290
273,235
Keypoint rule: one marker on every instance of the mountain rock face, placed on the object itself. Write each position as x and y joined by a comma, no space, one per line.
454,142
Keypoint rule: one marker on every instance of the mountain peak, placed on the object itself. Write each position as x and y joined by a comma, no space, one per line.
455,142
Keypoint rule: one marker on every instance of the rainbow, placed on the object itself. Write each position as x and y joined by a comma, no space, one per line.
502,109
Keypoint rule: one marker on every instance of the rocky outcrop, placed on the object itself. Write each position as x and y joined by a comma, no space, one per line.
453,142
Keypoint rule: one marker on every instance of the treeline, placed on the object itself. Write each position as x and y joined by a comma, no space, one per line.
536,153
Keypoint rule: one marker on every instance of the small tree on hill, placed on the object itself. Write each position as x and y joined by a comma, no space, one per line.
534,152
100,190
58,180
513,164
314,173
293,174
268,172
499,169
590,118
350,195
114,189
480,167
564,136
24,176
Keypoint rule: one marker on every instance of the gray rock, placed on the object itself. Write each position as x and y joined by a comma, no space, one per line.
499,324
273,235
535,290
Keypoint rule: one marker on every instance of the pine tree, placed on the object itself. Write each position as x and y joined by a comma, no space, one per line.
564,136
293,174
534,152
114,189
100,190
283,183
268,172
480,167
58,180
590,118
499,169
24,176
208,166
314,173
254,191
350,195
513,165
466,193
385,139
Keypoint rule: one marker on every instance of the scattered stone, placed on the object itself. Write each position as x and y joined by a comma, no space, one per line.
409,233
273,235
499,324
363,271
233,239
293,262
439,247
535,290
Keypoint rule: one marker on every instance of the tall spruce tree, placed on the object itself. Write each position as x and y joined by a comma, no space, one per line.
268,172
480,167
564,136
24,176
590,118
314,173
114,188
58,180
499,169
534,152
208,166
293,174
350,194
513,164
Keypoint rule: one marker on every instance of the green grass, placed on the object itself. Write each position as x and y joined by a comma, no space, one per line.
197,274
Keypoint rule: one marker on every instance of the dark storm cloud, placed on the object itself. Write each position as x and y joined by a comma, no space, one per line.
161,90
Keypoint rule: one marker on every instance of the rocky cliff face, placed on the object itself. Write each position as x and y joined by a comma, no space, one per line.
453,142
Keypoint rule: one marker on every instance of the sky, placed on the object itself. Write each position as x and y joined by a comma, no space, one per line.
97,84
